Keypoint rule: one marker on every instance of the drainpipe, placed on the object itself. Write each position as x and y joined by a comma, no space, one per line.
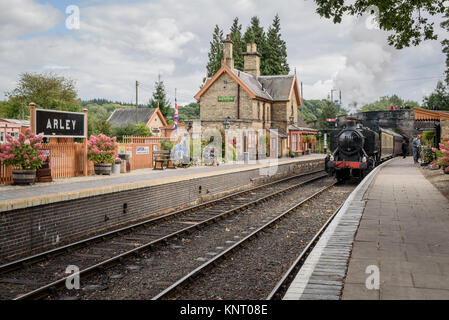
238,101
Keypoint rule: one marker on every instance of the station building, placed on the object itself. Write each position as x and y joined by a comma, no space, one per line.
245,100
151,117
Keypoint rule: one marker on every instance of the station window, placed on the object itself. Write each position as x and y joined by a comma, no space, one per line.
2,137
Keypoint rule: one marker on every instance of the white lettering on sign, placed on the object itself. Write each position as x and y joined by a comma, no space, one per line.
60,124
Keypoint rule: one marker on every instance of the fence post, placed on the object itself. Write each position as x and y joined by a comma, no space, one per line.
32,117
85,162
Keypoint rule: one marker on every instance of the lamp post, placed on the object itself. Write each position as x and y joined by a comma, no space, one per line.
292,120
227,123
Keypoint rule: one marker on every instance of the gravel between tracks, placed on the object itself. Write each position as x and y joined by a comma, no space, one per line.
146,276
253,271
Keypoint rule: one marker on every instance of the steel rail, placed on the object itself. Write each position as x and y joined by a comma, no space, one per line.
297,264
50,288
17,264
198,271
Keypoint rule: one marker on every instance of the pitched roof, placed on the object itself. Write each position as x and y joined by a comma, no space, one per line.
271,88
253,84
277,86
122,117
23,123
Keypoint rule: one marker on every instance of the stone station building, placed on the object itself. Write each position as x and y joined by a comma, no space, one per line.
253,103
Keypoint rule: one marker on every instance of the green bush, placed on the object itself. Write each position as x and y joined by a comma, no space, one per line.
167,145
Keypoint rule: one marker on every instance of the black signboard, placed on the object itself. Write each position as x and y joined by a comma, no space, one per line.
60,124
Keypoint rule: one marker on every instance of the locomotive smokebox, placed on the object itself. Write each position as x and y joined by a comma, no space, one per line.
350,141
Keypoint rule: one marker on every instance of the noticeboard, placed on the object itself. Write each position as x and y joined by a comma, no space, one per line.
60,124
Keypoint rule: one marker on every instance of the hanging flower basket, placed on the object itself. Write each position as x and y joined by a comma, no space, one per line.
24,155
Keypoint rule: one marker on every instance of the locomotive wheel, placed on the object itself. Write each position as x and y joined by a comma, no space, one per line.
340,175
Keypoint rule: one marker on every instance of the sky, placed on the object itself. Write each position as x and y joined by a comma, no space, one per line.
121,42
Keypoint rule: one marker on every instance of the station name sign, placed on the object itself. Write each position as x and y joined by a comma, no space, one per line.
60,124
226,99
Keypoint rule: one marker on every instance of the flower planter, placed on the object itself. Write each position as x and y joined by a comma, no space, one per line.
23,177
103,168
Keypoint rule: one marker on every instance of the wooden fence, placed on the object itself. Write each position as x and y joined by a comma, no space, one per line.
66,159
144,140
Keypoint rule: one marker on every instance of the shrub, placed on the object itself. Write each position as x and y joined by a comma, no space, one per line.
102,149
442,154
428,136
167,145
23,152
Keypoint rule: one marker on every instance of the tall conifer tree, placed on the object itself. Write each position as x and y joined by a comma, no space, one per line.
238,44
255,34
276,51
215,52
160,96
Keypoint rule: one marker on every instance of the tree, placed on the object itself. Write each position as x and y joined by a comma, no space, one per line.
276,51
385,102
238,45
188,112
410,22
406,19
215,52
329,111
143,131
439,99
102,126
255,34
47,90
160,98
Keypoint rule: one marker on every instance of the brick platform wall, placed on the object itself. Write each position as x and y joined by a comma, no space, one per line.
35,229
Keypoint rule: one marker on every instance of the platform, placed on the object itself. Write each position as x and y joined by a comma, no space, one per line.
395,223
17,197
48,215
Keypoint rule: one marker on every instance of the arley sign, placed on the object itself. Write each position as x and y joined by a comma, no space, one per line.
62,124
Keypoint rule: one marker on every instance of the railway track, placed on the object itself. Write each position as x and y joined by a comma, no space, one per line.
281,287
171,291
40,275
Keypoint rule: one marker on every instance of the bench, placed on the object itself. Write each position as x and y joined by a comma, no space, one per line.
161,158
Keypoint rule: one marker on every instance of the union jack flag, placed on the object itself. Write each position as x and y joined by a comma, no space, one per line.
175,125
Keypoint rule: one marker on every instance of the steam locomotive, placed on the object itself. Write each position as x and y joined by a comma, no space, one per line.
355,149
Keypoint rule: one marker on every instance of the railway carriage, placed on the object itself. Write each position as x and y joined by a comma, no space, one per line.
355,149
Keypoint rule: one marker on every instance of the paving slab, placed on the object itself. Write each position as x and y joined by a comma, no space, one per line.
412,237
394,225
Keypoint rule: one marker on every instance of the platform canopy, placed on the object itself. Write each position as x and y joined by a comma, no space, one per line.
430,115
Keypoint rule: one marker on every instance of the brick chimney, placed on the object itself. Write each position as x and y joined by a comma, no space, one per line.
251,62
228,59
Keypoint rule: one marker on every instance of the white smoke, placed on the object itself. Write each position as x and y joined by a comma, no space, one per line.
367,62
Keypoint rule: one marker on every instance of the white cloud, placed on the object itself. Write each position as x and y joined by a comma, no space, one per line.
121,42
22,17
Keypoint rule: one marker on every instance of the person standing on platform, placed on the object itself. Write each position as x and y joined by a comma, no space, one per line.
416,144
404,149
